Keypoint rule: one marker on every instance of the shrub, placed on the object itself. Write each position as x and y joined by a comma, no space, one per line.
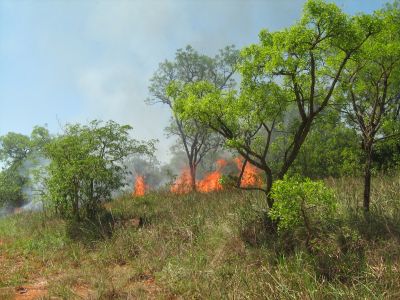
301,203
87,165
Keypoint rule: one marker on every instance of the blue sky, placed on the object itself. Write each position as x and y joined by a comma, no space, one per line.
73,61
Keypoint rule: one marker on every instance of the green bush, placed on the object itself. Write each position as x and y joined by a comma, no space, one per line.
301,203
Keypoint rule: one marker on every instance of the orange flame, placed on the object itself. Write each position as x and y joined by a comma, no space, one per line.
251,175
140,187
183,184
211,182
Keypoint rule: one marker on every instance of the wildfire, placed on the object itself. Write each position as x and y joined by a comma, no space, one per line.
251,176
182,185
212,181
140,187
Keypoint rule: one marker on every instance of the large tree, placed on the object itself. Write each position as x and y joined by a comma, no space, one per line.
19,154
87,164
190,67
288,79
371,88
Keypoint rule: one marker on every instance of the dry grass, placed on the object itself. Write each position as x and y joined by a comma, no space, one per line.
209,246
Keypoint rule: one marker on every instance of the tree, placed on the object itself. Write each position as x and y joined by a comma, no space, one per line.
371,85
20,153
189,67
288,79
11,187
87,165
331,149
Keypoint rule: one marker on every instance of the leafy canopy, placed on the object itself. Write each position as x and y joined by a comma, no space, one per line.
87,165
19,154
287,79
301,202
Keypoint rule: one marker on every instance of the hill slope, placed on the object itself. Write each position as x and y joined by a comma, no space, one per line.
207,246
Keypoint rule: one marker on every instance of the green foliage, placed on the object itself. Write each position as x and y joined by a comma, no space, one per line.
369,90
287,80
16,148
20,154
331,149
301,202
11,184
87,165
168,83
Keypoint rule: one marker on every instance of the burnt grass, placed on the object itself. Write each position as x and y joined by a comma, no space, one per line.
208,246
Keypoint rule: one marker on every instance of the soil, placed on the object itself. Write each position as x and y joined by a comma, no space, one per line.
31,292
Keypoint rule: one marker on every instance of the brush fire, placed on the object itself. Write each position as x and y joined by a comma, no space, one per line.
251,175
212,181
140,187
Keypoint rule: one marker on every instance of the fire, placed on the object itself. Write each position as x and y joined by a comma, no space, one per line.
183,183
211,182
140,187
251,176
221,163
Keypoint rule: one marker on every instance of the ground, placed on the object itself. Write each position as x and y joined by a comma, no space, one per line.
205,246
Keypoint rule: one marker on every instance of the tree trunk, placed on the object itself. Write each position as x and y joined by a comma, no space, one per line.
270,225
367,178
90,210
75,205
193,176
268,189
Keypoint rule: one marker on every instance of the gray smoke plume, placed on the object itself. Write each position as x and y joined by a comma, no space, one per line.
33,170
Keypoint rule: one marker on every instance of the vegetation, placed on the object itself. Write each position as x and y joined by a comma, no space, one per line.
288,79
317,107
187,244
19,153
190,67
301,203
87,165
370,86
331,149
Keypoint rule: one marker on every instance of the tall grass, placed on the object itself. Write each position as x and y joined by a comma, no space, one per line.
210,246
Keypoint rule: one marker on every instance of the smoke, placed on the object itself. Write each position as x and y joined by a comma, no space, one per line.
135,36
32,206
32,170
6,210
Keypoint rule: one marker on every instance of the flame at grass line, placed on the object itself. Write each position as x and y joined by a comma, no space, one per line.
212,181
251,175
183,184
140,187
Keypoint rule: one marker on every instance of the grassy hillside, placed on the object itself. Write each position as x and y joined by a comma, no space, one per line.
205,246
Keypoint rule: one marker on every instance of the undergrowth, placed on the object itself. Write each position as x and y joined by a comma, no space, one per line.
208,246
